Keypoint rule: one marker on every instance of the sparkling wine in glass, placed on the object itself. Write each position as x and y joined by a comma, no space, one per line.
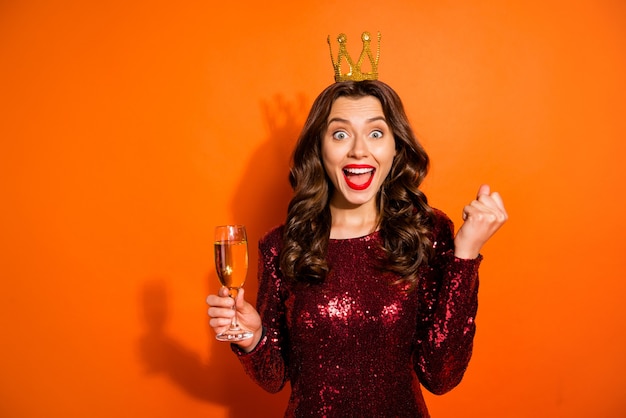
231,263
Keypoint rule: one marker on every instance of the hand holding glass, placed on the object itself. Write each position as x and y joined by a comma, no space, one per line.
231,263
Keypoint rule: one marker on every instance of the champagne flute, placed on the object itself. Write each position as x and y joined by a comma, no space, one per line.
231,263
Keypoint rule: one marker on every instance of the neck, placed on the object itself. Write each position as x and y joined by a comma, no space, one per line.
353,222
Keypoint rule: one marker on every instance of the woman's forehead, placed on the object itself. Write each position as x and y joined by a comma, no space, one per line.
346,107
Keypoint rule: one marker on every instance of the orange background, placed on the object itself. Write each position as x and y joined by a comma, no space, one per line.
130,129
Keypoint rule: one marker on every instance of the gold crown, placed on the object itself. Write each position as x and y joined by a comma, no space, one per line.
354,73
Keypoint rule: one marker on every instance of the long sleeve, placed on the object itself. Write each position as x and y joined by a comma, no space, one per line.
448,306
266,364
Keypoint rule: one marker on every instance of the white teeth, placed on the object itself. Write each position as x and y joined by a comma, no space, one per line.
358,170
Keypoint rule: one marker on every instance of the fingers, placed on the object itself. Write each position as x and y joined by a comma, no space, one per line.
483,190
482,218
220,308
498,200
221,314
482,197
491,201
222,304
223,292
220,323
220,311
487,206
221,299
239,301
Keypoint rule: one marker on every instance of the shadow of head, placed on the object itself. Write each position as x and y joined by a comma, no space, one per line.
261,199
263,194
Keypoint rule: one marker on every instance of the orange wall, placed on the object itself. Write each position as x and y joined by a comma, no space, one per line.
130,129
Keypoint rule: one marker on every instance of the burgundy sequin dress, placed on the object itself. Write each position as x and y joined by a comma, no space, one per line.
357,345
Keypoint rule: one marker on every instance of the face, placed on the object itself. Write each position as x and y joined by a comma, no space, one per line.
357,150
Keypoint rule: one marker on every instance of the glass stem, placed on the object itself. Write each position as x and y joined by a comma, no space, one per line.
232,292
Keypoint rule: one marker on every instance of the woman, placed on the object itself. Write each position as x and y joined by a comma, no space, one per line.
365,293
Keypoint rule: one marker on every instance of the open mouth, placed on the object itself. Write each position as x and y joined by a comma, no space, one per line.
358,177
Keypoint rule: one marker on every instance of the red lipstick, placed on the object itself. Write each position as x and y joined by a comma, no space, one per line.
358,176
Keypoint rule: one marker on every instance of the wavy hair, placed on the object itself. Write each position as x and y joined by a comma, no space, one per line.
405,219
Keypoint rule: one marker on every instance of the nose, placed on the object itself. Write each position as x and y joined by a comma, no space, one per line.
359,147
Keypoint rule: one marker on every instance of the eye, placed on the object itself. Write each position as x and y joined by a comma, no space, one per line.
376,134
340,135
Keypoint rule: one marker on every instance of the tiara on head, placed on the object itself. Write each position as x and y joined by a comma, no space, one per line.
354,70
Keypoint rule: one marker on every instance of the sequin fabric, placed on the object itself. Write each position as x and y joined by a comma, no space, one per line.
358,345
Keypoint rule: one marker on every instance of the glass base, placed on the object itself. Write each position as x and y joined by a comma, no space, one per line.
234,335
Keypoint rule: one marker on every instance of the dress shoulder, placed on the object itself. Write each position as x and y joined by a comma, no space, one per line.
441,220
272,238
442,232
440,217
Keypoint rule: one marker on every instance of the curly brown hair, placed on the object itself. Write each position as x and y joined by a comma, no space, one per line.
405,218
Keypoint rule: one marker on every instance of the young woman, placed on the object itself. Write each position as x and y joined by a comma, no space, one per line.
365,293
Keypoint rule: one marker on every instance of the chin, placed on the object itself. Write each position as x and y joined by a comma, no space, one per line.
359,200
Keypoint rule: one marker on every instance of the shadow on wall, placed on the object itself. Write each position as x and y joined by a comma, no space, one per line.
163,354
219,381
263,195
260,202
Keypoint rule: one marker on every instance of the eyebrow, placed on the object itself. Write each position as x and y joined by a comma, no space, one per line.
341,120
